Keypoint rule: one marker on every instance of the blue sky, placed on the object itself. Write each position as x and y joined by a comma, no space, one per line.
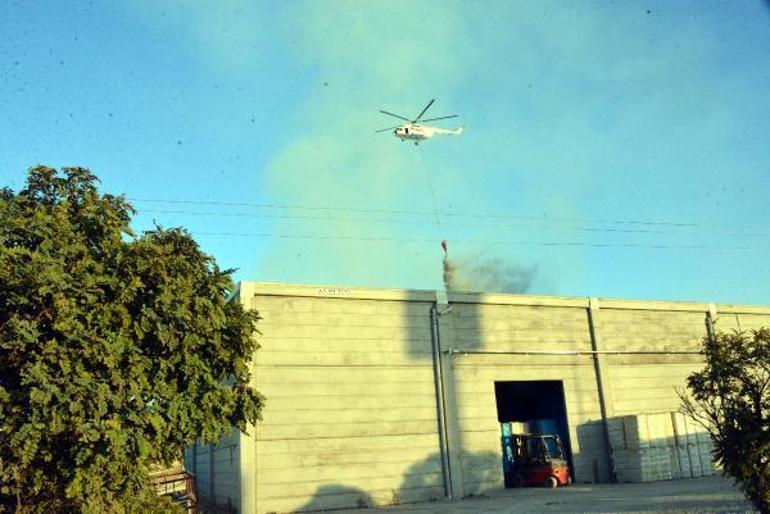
615,148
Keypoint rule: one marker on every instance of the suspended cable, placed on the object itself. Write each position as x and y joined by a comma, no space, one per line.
450,214
422,221
430,185
370,239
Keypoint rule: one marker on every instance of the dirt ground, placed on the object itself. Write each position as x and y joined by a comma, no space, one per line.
713,494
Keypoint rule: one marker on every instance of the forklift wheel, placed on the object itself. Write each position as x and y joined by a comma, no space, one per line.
551,482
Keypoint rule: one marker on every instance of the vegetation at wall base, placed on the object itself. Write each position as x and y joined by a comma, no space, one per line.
116,350
730,397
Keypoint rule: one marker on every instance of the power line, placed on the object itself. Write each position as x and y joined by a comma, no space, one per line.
370,239
423,221
317,208
400,221
375,239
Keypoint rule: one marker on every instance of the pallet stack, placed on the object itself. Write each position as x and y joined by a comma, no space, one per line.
661,446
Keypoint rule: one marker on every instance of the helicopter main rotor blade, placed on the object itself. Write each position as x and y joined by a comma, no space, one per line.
386,129
395,115
423,111
441,118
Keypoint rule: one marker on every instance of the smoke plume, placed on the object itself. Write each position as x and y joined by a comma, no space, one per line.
490,275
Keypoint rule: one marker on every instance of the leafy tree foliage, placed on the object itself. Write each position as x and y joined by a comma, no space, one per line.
116,351
730,397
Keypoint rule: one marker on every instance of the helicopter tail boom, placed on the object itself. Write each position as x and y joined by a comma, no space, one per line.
451,132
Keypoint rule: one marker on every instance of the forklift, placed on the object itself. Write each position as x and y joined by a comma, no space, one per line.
535,460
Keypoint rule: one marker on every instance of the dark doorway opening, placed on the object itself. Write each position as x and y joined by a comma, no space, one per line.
528,400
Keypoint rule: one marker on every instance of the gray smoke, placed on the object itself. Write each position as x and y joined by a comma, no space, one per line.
450,275
490,275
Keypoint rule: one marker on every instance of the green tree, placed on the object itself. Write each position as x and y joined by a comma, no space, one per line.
730,397
116,350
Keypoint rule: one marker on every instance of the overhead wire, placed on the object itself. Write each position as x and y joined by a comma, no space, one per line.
448,213
430,186
370,239
417,221
543,224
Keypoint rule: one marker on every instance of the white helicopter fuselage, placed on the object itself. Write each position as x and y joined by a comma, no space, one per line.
416,132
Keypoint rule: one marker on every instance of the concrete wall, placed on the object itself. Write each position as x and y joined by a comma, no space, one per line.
351,405
351,416
217,470
642,350
481,329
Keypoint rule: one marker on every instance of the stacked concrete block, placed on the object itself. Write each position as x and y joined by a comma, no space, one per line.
693,451
682,453
694,447
705,450
644,453
691,448
663,446
661,438
626,441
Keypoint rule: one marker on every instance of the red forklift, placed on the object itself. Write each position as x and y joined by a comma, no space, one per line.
535,460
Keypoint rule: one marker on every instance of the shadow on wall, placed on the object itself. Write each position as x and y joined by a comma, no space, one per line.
337,496
422,480
475,275
648,447
594,465
422,483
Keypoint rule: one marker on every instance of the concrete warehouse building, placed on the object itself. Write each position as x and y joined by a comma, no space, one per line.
379,397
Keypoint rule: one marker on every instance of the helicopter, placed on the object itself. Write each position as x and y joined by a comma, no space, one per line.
414,129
